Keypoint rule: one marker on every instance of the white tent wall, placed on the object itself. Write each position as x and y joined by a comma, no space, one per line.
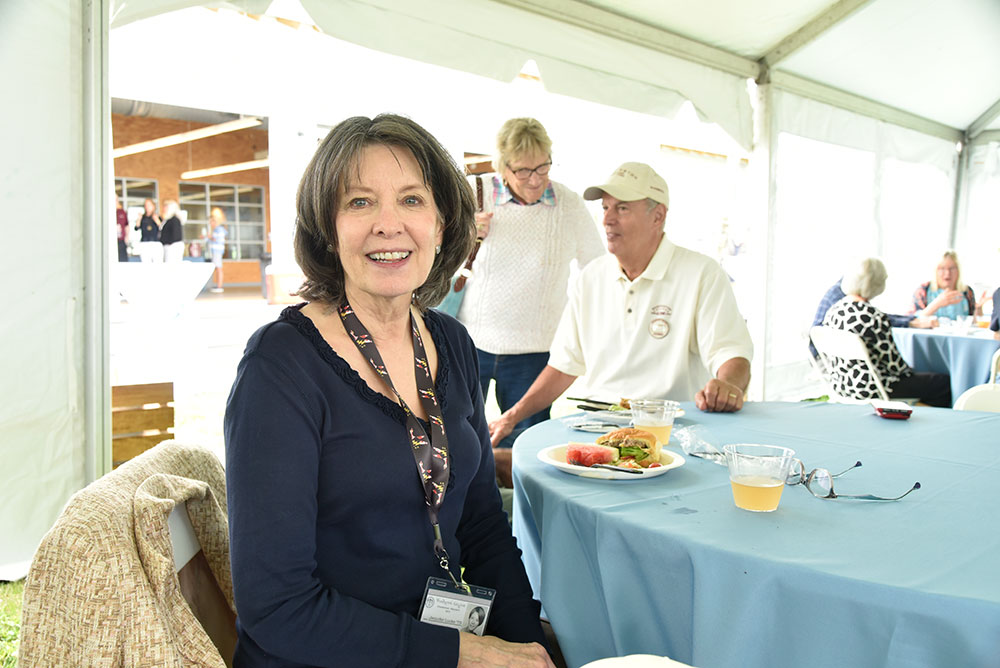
846,185
53,397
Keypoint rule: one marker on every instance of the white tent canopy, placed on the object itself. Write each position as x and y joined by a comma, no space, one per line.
887,87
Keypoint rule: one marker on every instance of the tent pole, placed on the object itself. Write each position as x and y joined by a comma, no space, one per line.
97,211
762,174
958,203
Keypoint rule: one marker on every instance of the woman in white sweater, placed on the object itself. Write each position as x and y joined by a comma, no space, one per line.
517,291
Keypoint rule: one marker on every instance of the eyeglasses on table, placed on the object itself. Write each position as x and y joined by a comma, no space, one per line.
819,482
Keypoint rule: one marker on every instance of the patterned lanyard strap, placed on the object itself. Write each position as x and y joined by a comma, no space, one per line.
429,451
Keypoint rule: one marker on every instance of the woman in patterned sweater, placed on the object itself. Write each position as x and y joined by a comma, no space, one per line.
862,282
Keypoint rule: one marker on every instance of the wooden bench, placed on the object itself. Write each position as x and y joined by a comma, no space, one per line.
141,417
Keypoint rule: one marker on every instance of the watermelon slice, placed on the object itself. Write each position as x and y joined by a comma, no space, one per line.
586,454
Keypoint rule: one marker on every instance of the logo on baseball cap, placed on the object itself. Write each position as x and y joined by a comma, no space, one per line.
631,182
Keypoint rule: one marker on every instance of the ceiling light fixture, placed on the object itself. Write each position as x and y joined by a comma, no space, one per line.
224,169
183,137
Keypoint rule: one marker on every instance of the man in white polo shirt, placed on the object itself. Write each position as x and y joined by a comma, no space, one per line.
649,320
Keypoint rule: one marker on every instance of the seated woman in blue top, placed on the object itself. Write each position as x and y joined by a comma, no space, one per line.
945,296
358,459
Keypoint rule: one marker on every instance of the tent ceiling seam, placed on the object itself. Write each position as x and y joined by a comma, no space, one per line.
985,137
863,105
984,120
810,31
579,14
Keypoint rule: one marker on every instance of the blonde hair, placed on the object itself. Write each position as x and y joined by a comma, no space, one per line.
949,254
519,137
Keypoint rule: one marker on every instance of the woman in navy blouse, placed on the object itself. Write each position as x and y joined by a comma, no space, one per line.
331,541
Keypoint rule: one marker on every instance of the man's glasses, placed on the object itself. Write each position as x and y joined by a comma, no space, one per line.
524,173
819,482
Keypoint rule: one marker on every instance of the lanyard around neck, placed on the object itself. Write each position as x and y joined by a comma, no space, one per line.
430,451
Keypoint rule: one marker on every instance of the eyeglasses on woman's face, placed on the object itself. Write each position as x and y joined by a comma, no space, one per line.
524,173
819,482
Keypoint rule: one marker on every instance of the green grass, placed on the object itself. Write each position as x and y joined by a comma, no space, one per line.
10,621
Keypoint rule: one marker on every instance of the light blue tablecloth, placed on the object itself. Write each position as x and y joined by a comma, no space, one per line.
670,566
966,358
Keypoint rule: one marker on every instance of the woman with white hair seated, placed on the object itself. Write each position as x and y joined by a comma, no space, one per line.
864,281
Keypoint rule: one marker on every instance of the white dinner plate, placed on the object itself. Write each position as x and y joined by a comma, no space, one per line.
555,455
636,661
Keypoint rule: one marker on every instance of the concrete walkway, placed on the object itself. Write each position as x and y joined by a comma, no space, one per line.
198,349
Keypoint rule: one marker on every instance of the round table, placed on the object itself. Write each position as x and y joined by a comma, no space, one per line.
669,566
964,357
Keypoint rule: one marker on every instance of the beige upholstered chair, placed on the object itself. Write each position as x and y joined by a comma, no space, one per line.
104,588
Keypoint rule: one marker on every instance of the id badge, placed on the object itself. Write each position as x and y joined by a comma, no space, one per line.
459,608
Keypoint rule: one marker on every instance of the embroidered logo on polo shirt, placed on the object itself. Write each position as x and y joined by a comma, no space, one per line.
658,326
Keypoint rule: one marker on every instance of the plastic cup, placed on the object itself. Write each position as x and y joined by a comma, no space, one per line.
757,474
655,416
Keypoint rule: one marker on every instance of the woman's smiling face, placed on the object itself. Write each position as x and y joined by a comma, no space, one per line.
387,225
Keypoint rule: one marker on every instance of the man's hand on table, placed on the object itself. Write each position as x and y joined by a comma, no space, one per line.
718,396
924,322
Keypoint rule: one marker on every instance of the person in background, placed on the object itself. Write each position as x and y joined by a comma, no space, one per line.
353,414
995,316
836,293
650,320
863,281
217,244
150,249
513,301
945,296
121,221
172,233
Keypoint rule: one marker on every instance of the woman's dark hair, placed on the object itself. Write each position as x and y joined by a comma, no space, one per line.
324,183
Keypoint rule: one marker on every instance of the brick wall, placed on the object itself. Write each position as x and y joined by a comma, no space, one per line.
166,165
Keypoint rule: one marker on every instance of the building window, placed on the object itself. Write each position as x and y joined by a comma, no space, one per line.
133,192
244,210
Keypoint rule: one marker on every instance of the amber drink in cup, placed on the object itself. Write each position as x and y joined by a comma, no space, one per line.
655,416
757,474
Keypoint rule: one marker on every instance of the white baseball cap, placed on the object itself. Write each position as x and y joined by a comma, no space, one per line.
631,182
